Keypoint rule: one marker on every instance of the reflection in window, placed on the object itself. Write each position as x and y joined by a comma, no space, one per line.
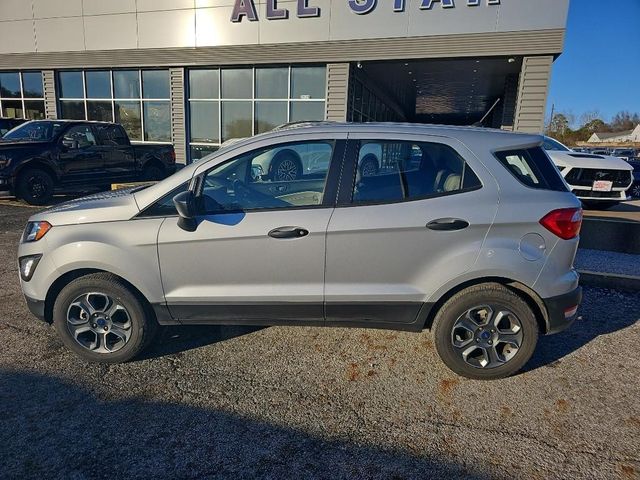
21,95
126,84
157,121
98,85
270,115
128,115
241,102
308,82
119,96
205,122
237,83
204,84
236,120
155,84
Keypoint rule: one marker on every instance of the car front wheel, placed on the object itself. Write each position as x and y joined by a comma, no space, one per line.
35,186
485,332
635,190
100,319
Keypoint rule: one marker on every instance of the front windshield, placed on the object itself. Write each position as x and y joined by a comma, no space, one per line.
35,131
551,144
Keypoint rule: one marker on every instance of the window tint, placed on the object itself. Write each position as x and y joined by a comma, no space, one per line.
112,135
533,168
165,207
292,175
80,136
391,171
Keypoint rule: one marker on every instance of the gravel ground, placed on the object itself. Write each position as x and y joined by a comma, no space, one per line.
608,262
217,402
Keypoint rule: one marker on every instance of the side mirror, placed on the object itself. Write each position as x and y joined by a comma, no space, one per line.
185,203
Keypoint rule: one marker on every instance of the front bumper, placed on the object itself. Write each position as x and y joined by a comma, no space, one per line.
557,308
36,307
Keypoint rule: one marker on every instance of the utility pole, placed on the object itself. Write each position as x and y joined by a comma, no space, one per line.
553,109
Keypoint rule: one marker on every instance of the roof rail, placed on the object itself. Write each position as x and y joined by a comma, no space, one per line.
302,124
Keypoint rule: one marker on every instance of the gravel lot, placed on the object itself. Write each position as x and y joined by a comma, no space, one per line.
315,403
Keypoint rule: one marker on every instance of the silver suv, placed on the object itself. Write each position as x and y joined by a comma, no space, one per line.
469,232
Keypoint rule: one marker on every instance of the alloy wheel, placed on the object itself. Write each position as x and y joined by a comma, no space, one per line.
287,170
99,322
487,336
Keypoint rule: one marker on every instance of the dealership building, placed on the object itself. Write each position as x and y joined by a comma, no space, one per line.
196,73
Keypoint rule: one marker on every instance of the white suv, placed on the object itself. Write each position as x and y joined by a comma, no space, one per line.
597,180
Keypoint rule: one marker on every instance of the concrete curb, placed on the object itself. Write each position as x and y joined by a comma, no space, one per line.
627,283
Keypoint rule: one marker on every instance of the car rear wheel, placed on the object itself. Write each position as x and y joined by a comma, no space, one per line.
485,332
100,319
35,186
635,190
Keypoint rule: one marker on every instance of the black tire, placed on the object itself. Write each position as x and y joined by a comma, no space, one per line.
142,328
35,186
152,173
634,191
293,170
369,166
497,297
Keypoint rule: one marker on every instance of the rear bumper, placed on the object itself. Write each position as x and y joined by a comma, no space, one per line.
36,307
559,316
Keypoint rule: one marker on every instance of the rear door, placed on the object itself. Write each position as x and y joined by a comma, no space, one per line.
403,230
258,253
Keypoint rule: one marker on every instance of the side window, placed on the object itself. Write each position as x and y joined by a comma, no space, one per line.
533,168
165,207
393,171
112,135
291,175
80,136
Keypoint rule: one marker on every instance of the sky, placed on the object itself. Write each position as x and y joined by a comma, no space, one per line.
600,66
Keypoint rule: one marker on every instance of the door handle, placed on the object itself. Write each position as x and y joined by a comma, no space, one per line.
288,232
447,224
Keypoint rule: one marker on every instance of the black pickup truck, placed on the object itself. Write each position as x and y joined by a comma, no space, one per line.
69,156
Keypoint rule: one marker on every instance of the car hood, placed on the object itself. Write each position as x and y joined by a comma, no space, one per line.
587,160
100,207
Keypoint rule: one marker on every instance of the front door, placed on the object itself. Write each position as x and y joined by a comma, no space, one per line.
81,158
404,228
258,253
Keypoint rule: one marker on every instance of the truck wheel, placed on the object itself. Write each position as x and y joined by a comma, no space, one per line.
635,190
35,186
485,332
100,319
152,173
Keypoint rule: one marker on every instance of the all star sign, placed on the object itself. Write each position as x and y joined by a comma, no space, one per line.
304,9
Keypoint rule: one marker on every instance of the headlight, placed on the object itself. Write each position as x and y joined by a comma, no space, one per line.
35,231
28,265
4,161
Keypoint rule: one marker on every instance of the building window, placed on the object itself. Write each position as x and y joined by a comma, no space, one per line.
21,95
231,103
137,99
366,106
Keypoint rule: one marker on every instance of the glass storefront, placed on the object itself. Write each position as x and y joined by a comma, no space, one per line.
137,99
231,103
21,95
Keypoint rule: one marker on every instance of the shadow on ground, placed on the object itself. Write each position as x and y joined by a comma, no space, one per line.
53,429
595,322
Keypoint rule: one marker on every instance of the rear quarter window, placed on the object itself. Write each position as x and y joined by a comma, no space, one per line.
533,168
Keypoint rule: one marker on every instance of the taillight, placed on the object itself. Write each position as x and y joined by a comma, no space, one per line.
565,222
172,155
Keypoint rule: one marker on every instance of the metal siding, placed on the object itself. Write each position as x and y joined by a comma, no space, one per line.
538,42
178,125
532,94
50,101
337,88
